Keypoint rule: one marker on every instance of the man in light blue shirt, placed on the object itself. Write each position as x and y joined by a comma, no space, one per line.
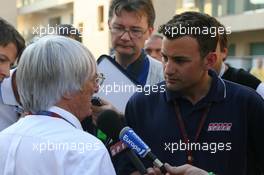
11,46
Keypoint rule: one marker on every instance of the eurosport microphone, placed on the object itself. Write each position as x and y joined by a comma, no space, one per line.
111,124
133,141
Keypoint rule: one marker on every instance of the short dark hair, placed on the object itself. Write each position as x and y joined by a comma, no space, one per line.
223,39
69,31
139,6
222,36
192,20
8,34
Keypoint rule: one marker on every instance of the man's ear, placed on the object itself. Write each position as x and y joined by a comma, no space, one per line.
210,60
108,22
150,30
67,96
224,54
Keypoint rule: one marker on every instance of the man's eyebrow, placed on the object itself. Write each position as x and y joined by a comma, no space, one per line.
180,58
114,23
4,56
176,57
121,25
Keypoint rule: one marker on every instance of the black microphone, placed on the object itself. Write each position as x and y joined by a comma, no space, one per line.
111,124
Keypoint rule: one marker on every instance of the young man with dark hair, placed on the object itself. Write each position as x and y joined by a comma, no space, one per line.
200,119
12,45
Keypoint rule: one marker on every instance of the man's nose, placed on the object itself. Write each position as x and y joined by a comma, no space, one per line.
126,36
96,88
169,67
5,70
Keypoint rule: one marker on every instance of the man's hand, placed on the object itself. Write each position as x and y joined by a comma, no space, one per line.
105,105
180,170
184,170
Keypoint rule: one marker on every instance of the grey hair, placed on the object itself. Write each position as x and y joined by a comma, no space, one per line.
50,68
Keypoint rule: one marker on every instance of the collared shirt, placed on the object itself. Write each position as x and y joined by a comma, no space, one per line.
233,127
242,77
8,103
145,70
39,144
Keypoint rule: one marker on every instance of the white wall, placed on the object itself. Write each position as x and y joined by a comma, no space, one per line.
86,12
8,11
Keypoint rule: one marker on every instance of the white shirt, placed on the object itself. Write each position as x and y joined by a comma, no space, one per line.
260,89
42,145
8,103
155,74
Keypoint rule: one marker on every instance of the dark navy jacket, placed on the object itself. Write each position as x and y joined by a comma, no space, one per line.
153,118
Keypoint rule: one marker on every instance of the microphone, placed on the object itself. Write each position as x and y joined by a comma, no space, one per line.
111,124
133,141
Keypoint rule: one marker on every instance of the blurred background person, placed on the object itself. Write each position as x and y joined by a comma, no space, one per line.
69,31
153,46
258,71
228,72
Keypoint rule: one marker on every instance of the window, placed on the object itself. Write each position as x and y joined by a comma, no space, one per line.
53,22
101,18
81,28
257,48
232,50
254,4
71,18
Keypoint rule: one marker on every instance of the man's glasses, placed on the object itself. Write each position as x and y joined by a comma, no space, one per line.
133,33
99,79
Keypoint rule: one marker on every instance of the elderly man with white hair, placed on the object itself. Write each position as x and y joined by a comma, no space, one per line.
56,78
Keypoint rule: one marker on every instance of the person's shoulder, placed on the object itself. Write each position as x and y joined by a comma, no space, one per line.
153,61
240,91
244,73
241,76
155,74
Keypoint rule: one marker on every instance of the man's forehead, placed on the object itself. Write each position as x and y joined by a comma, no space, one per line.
184,44
137,15
9,50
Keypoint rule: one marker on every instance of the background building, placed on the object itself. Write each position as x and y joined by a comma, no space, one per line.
89,16
244,17
8,11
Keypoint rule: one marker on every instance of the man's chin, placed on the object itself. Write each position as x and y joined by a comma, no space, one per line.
125,52
126,55
172,87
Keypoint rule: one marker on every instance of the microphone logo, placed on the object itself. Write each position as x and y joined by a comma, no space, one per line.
117,148
129,137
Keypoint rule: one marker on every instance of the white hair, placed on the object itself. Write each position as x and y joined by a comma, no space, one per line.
50,68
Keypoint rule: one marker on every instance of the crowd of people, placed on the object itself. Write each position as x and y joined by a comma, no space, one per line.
208,120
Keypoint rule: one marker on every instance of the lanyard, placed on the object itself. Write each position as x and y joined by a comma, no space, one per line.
183,128
53,114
